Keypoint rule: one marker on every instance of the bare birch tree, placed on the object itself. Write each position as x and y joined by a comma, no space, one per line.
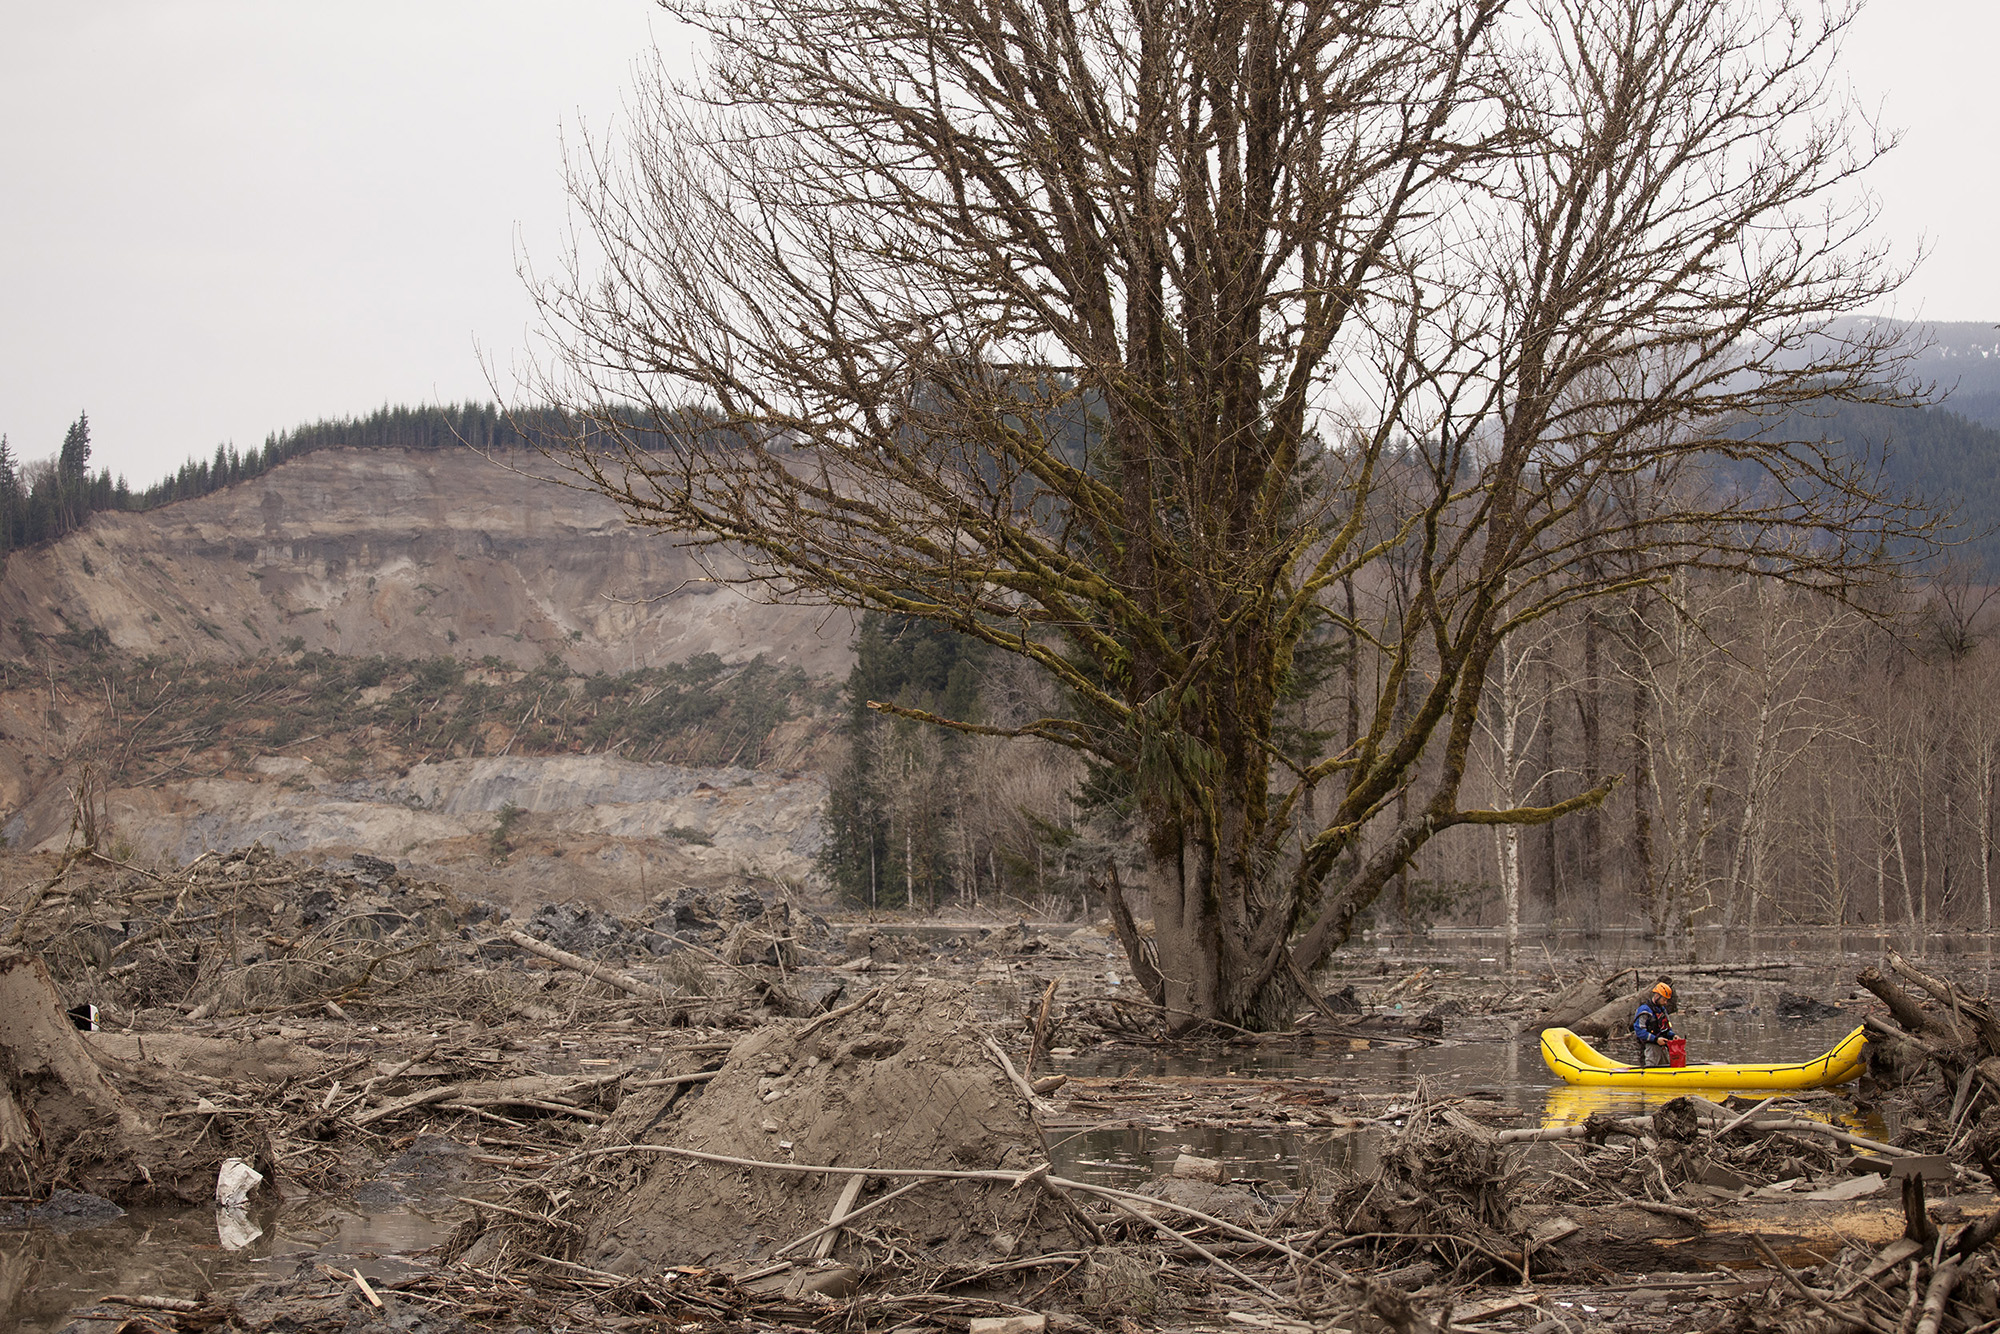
1129,336
1786,645
1512,721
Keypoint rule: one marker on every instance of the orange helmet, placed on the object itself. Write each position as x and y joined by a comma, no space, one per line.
1663,991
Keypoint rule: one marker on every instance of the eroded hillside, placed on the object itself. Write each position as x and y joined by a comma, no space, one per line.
418,655
409,553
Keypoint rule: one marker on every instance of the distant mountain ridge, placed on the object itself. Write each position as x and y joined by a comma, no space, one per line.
1934,454
1958,362
1946,453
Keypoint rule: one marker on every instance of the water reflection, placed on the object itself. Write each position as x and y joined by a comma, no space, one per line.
46,1273
1374,1080
1132,1155
1844,949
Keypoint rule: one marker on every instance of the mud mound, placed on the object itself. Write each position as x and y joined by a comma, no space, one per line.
904,1081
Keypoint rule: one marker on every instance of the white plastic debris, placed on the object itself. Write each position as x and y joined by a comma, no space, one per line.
234,1183
234,1230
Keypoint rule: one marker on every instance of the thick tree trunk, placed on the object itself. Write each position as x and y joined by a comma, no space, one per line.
1582,999
1923,880
1881,887
55,1094
1903,871
1612,1019
1189,945
1554,884
1145,972
1642,795
1836,887
1643,771
1590,823
63,1125
1508,837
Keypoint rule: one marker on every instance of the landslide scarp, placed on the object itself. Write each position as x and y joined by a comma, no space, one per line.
421,656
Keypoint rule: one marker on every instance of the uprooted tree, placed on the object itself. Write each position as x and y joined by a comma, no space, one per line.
1187,349
64,1125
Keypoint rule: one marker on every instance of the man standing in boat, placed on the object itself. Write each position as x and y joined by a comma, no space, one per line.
1652,1027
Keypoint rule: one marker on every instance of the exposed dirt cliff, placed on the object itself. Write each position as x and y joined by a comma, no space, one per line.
411,553
425,656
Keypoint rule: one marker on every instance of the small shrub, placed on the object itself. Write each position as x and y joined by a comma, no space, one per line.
497,842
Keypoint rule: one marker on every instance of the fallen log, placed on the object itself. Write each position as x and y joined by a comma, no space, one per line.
1943,1279
1715,1111
540,1092
579,964
1038,1041
1799,1126
441,1093
146,1303
1911,1016
1613,1019
1630,1125
1580,999
1965,1009
1733,969
698,1077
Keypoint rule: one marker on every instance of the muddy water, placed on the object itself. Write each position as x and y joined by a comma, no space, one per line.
1373,1081
46,1273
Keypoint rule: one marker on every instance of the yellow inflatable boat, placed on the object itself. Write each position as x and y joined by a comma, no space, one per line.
1577,1062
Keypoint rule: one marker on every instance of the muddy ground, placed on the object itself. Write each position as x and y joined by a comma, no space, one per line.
654,1118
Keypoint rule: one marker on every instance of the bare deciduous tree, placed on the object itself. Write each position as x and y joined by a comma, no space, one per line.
1130,337
1779,657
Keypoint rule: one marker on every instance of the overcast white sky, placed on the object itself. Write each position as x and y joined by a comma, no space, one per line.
221,218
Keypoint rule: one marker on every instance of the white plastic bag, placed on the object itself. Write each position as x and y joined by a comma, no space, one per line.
234,1183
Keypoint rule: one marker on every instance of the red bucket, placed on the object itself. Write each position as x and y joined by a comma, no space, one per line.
1677,1051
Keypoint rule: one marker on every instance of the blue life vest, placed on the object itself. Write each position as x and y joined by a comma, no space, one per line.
1650,1022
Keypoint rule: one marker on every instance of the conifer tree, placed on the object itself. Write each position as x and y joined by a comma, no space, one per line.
73,463
10,498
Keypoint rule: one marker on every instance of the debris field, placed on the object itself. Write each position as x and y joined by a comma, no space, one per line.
725,1109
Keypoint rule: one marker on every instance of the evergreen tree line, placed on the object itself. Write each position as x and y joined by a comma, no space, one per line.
1931,452
1944,457
892,810
43,499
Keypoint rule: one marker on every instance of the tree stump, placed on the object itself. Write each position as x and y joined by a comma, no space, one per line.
64,1125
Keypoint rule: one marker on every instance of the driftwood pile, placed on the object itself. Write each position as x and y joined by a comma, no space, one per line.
255,933
1445,1190
1928,1281
1938,1064
1941,1053
647,1161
